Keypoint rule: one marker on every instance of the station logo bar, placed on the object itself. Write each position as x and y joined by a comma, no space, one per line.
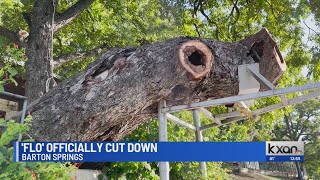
284,148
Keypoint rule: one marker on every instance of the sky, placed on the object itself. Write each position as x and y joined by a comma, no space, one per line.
310,23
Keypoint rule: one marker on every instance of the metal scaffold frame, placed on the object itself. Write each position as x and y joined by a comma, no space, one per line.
24,106
251,70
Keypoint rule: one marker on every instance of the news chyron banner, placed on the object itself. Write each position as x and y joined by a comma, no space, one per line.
158,151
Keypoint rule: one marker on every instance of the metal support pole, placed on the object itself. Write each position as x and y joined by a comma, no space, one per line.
17,96
199,138
23,115
163,137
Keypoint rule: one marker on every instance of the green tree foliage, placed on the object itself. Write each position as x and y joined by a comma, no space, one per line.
26,170
312,159
178,170
130,23
12,59
303,124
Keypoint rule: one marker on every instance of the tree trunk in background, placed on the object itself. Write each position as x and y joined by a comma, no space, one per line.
121,90
292,138
39,50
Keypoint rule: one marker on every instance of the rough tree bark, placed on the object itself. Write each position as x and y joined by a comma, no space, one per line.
43,22
39,72
120,91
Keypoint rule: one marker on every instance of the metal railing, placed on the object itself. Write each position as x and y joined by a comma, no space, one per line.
226,118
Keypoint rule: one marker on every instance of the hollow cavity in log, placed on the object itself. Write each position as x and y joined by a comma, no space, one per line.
196,58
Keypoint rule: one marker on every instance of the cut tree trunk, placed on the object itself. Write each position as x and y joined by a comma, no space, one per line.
121,90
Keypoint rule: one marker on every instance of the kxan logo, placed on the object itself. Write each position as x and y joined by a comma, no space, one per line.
281,148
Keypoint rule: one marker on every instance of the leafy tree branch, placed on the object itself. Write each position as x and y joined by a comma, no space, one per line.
9,34
71,13
60,60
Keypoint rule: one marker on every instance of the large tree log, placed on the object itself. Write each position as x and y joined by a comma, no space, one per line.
121,90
